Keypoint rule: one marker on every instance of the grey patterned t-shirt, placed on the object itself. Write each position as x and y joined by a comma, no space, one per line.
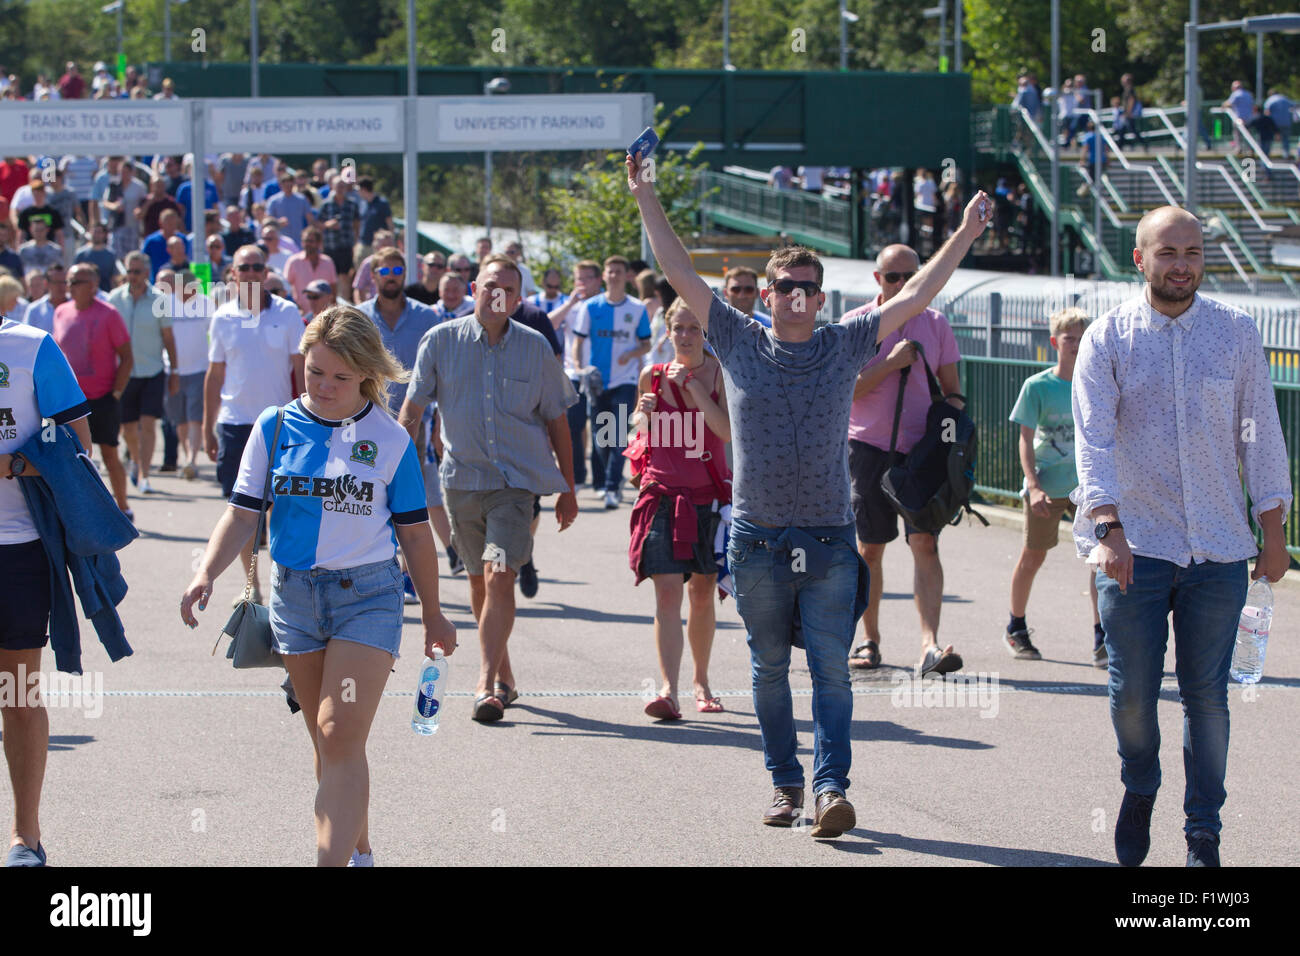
789,404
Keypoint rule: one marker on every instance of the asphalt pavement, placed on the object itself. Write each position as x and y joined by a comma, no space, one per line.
184,761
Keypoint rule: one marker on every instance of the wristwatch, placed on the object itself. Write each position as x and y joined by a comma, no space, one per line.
17,465
1104,528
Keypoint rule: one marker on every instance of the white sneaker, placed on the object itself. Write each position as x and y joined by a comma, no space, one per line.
145,487
598,493
362,859
611,500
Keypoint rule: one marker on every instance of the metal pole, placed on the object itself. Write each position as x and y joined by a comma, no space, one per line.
198,178
410,191
1192,94
252,46
726,34
121,6
943,30
1098,146
844,37
1056,140
487,194
411,157
167,30
1259,68
956,33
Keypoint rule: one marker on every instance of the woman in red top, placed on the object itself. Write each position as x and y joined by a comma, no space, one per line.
685,482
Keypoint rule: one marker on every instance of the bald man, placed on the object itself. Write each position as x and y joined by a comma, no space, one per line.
1171,394
871,423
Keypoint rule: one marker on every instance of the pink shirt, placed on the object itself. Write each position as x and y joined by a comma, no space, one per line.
872,417
90,340
298,272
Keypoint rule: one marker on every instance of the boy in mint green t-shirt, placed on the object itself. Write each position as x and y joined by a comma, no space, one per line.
1046,419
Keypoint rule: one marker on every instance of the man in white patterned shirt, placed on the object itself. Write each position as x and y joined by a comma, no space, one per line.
1171,391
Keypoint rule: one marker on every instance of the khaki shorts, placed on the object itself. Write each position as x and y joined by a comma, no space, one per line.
1042,534
491,526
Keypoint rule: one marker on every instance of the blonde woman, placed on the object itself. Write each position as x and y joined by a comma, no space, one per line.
685,480
346,482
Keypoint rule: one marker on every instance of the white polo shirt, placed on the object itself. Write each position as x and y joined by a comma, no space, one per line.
258,351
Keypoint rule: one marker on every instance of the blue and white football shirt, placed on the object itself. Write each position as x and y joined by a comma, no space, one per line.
36,382
612,330
338,487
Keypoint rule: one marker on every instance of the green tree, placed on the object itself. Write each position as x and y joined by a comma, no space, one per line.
597,216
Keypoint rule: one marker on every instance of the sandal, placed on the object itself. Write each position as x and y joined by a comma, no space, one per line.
709,705
488,709
505,693
663,708
939,662
868,661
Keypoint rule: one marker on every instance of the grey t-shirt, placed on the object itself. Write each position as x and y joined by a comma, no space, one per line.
789,404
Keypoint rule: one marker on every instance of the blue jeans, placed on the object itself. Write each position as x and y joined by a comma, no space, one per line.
609,452
1206,601
825,609
577,415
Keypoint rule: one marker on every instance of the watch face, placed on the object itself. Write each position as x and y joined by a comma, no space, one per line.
1102,530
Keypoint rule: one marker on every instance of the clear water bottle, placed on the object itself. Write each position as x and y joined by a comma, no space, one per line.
1252,634
430,692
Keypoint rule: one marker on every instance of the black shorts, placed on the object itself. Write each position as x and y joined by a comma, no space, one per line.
873,515
144,396
231,440
537,505
25,595
342,259
105,420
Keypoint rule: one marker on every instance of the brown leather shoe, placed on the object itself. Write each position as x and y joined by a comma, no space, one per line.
786,809
834,814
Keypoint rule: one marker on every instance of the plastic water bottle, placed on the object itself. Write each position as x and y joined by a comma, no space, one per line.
1252,634
430,693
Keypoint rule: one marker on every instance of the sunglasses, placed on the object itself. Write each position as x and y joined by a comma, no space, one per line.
436,265
786,286
463,269
314,295
390,270
251,267
743,288
135,272
892,277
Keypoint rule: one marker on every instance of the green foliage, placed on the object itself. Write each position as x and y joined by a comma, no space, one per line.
597,216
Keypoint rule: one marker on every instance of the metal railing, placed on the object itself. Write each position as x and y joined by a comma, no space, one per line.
824,221
992,387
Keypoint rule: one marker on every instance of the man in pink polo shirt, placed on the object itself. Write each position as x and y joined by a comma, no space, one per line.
305,267
93,336
870,423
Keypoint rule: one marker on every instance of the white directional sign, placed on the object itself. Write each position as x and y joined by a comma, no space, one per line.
306,125
502,123
95,127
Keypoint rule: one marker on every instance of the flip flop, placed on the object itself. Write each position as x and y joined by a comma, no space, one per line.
488,709
938,662
709,705
662,708
868,661
505,693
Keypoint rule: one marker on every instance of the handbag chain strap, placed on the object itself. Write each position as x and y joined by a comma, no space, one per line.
261,515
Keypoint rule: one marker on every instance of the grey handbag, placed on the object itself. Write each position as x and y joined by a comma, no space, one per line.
249,627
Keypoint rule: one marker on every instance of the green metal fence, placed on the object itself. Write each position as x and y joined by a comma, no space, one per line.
992,386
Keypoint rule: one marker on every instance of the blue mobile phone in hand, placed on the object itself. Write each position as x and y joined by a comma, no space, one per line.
644,144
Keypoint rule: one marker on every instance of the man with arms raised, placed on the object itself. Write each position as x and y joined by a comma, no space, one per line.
1171,392
793,554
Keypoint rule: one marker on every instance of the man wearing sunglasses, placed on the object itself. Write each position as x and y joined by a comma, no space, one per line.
402,323
432,268
253,362
793,555
871,425
740,286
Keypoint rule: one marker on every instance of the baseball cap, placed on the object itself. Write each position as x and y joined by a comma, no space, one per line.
319,286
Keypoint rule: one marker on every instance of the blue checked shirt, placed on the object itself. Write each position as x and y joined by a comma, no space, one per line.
494,402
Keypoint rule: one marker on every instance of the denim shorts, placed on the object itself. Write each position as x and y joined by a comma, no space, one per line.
362,605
